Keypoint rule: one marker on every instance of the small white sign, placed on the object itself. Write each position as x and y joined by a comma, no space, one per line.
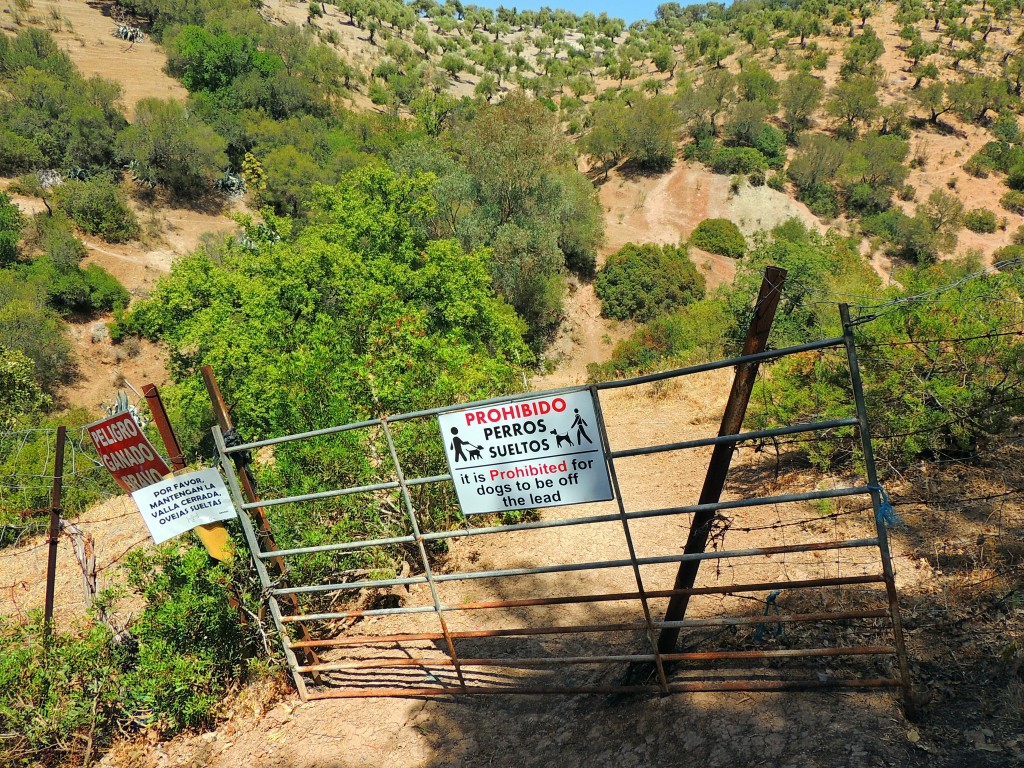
532,452
172,507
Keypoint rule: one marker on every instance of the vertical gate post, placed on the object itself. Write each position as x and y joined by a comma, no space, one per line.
427,571
220,410
163,425
54,532
602,429
261,568
721,457
876,502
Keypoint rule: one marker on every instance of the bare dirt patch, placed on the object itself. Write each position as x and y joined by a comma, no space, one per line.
86,31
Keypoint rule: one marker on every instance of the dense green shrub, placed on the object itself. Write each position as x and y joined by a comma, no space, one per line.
69,288
63,700
821,199
168,144
99,207
10,230
997,156
692,334
922,409
106,293
977,168
1013,201
738,160
702,150
1009,253
640,282
719,236
1015,177
50,116
981,220
29,325
865,199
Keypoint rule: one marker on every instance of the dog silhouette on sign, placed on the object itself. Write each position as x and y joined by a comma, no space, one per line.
559,439
474,453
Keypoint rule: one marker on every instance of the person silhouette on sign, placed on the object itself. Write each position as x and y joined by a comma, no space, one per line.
579,423
458,443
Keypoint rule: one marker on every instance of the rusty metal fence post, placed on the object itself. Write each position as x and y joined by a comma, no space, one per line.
248,485
163,425
54,531
721,457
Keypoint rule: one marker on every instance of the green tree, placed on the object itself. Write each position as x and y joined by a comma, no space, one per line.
641,282
817,160
10,230
606,141
933,98
167,144
755,83
975,96
854,100
21,398
800,96
652,129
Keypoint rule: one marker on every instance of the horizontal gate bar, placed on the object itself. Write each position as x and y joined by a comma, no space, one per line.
759,357
591,566
789,653
719,590
619,627
334,547
687,371
737,438
564,522
709,686
343,492
577,599
780,653
357,614
340,666
762,501
729,621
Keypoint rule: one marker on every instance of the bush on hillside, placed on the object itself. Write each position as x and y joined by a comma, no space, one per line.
695,333
719,236
730,160
1013,201
640,282
981,220
65,698
1009,253
10,230
98,207
821,199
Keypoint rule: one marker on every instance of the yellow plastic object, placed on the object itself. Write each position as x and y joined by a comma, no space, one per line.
216,540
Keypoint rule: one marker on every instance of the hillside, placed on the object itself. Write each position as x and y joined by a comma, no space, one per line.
356,209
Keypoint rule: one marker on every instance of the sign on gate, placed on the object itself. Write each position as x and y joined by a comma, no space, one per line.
181,503
127,453
526,453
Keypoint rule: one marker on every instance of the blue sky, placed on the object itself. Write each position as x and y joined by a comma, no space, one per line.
620,9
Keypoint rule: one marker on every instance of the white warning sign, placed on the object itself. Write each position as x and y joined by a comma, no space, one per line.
172,507
521,454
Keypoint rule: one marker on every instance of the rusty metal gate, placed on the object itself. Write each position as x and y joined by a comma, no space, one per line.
812,607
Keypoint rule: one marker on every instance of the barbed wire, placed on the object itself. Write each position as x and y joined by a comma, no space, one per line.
876,306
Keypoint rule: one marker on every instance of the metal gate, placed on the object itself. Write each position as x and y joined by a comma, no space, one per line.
825,605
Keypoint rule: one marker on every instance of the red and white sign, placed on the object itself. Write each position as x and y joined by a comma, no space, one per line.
527,453
127,452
